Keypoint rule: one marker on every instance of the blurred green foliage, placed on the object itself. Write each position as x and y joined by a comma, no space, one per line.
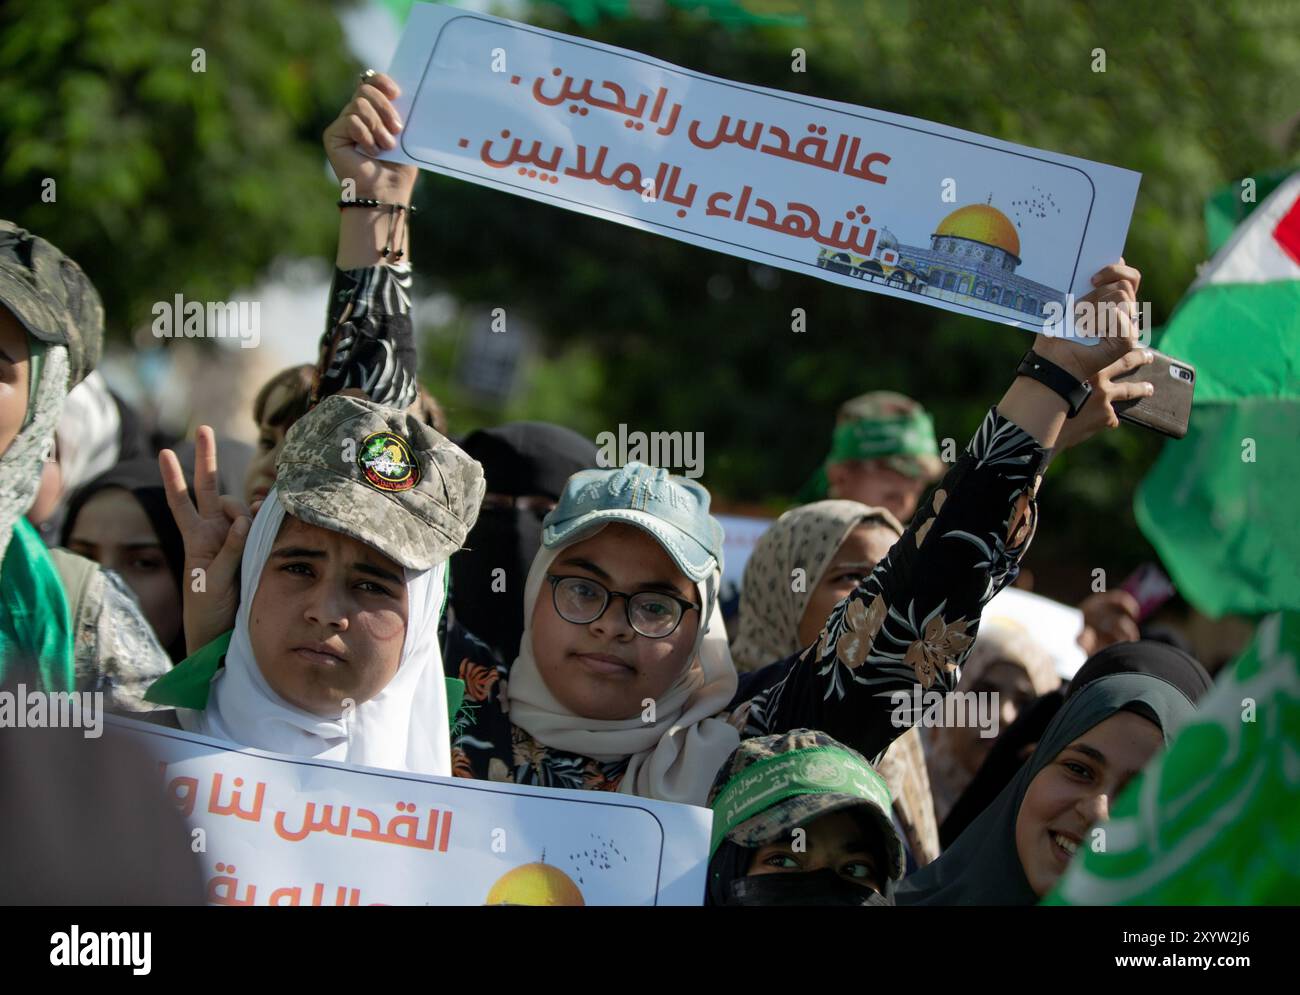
171,180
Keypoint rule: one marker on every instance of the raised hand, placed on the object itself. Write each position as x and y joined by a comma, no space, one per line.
1111,305
366,126
1108,618
213,528
1098,412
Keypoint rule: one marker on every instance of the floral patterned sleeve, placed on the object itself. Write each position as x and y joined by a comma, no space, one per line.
369,341
912,622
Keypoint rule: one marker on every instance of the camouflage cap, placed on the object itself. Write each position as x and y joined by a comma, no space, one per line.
772,785
381,476
51,297
915,451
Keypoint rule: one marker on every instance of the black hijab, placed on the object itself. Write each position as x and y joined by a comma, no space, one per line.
983,866
143,481
1147,656
1153,657
519,459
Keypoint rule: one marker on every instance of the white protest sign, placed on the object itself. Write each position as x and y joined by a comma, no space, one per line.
860,197
1054,626
740,534
276,830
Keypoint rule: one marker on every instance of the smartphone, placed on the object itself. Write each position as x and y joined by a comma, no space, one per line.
1167,410
1150,587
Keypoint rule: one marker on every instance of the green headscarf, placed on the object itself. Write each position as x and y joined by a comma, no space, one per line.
983,866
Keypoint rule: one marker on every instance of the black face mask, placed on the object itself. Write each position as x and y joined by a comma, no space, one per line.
823,887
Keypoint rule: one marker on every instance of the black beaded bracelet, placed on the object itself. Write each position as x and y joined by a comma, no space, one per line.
367,202
393,211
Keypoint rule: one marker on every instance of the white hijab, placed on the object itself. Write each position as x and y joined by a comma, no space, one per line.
674,758
404,727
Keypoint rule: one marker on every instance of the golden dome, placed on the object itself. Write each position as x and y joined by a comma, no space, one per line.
982,223
535,884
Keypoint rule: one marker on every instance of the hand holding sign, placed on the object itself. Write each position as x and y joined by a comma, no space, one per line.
366,127
1103,314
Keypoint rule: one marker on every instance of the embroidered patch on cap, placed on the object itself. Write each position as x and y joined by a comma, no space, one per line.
387,463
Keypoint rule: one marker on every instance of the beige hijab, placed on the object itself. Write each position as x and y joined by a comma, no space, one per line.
808,538
673,758
999,640
804,538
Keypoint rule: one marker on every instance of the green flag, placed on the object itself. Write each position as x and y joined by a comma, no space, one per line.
1219,505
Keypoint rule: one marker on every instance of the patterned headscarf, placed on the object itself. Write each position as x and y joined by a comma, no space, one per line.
807,538
804,538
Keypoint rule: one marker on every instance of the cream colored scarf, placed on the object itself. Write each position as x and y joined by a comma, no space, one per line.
673,758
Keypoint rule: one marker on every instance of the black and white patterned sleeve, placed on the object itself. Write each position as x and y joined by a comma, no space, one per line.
369,341
910,624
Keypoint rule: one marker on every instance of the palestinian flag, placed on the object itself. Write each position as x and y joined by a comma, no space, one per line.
1222,506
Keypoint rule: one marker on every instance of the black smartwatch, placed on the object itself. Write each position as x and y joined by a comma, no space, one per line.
1050,375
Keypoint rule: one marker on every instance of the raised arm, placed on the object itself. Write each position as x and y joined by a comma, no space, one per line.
369,343
368,346
911,623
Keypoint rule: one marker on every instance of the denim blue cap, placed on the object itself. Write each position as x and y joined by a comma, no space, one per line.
674,510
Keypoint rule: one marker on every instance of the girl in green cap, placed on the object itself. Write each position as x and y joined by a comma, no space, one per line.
800,819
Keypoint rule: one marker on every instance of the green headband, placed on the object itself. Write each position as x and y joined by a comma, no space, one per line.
903,434
895,435
818,770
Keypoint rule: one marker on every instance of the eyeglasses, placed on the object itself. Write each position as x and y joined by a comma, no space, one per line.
653,614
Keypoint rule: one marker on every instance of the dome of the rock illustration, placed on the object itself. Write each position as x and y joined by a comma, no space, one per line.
535,884
981,223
